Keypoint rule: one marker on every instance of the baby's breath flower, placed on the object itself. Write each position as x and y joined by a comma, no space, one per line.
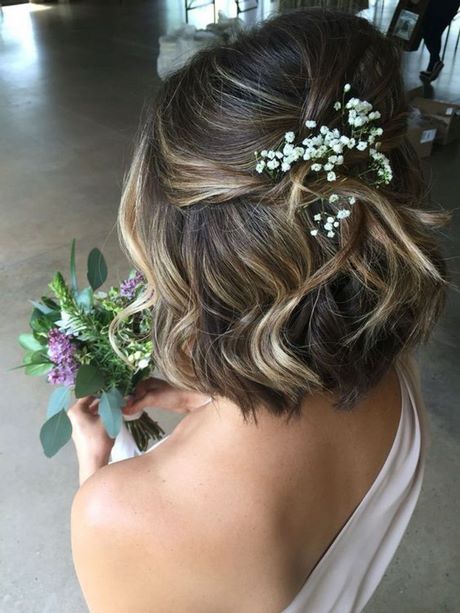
272,164
326,149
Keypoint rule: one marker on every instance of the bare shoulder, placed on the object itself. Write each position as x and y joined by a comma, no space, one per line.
136,541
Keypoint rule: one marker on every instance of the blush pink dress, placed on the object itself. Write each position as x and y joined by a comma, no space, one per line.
348,573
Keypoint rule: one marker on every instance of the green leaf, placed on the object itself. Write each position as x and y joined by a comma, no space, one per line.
50,303
59,399
35,317
85,299
38,369
55,433
110,411
28,341
37,363
97,269
73,273
17,367
89,381
41,307
43,323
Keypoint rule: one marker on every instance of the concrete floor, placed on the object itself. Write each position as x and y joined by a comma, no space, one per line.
73,81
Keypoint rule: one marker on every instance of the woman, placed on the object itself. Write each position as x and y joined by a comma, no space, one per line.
436,19
283,327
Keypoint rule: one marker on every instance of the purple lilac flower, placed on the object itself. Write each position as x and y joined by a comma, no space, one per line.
63,375
61,352
129,286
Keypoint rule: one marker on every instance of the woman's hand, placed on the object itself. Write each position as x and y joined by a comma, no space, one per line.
158,394
92,443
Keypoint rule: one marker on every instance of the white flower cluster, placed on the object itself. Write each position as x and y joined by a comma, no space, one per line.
139,360
328,222
326,149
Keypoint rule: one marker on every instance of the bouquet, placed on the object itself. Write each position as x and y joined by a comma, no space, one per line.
69,343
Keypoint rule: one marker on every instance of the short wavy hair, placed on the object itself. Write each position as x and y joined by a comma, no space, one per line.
246,303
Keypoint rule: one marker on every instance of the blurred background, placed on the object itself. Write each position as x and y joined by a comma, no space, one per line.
74,77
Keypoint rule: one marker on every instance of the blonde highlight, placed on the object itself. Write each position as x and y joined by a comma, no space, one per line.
245,304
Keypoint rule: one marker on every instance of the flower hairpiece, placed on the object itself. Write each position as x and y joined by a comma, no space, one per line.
326,149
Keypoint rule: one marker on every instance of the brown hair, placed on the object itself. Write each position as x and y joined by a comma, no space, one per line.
246,303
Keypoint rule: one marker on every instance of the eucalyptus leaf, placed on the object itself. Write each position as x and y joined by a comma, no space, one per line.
110,411
73,272
89,381
55,433
97,269
85,299
28,341
41,307
59,399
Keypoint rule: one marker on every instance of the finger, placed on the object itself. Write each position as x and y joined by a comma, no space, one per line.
166,400
146,386
85,402
94,407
